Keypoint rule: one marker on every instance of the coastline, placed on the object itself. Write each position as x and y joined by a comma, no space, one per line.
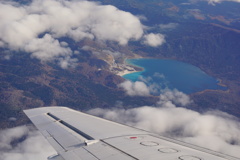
211,90
136,67
130,68
220,83
123,73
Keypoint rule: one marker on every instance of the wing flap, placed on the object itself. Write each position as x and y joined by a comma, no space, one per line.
59,136
96,128
66,129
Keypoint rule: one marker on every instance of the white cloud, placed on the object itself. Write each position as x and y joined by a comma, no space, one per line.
154,40
7,136
219,1
33,147
135,88
46,48
116,25
168,26
213,2
24,25
156,87
66,62
145,86
174,97
49,49
215,130
76,19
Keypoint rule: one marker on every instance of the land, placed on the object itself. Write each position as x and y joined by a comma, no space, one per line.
212,44
126,70
91,84
204,37
122,69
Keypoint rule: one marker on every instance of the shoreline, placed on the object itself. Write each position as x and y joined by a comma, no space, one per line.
128,71
123,73
210,90
220,83
140,69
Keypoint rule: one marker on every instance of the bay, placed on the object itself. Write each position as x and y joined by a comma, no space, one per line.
173,74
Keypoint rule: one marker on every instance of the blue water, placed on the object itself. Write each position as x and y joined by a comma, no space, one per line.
172,74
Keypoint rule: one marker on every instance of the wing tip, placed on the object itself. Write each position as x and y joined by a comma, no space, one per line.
40,110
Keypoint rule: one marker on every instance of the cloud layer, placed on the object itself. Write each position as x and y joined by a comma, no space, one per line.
154,40
213,2
219,1
215,130
36,28
33,147
135,88
76,19
168,26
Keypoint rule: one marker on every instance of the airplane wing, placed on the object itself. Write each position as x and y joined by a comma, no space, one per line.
79,136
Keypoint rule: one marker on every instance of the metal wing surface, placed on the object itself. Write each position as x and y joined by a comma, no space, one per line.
79,136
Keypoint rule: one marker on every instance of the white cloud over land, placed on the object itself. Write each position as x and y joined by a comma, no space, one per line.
76,19
34,146
214,130
135,88
154,40
213,2
168,26
219,1
37,26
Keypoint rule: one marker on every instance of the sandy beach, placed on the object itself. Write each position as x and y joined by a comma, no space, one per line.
124,72
127,68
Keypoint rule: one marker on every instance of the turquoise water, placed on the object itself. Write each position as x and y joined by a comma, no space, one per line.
173,74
